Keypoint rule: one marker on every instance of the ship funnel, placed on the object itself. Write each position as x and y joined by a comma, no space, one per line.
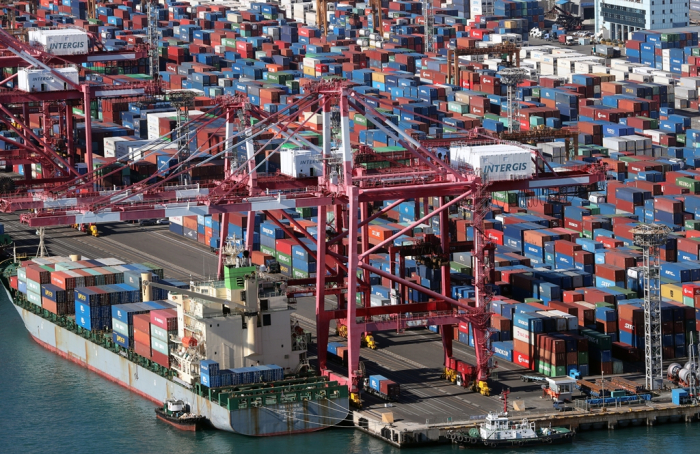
146,290
74,257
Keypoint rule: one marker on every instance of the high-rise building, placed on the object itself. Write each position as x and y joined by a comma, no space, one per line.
617,18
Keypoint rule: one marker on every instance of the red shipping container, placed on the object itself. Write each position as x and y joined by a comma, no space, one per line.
284,246
570,296
523,360
38,274
573,224
584,257
691,290
160,358
609,243
689,245
143,350
566,247
164,318
620,259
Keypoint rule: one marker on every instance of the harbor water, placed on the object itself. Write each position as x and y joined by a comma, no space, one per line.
51,405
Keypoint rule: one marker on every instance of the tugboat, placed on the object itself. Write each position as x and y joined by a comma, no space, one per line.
177,414
498,432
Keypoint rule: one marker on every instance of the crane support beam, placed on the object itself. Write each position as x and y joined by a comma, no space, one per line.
176,209
20,97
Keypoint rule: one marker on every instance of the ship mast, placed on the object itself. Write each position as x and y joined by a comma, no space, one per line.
505,393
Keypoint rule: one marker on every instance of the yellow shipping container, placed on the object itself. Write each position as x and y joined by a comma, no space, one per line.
378,77
672,292
309,71
605,77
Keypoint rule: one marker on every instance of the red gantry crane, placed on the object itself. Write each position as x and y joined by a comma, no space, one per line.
348,189
57,139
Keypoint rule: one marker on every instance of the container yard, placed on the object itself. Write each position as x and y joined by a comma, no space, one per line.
442,211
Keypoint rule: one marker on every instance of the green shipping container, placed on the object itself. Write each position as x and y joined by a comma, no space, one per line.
582,358
299,274
268,251
284,259
505,196
305,212
603,341
547,369
692,224
688,183
558,371
459,268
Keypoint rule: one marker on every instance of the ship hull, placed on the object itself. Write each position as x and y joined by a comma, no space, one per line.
282,419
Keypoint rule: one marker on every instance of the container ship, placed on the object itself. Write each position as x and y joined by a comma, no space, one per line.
233,354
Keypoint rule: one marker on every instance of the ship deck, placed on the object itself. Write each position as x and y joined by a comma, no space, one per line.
412,358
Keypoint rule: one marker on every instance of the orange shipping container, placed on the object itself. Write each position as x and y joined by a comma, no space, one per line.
141,337
378,233
190,222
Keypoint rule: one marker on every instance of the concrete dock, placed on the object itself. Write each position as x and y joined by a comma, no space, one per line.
408,434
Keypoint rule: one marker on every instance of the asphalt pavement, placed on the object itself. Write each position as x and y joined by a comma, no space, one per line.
181,258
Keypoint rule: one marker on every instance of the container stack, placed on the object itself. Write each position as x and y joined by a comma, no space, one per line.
209,373
163,325
123,321
214,377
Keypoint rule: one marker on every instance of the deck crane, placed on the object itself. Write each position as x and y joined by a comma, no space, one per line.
347,189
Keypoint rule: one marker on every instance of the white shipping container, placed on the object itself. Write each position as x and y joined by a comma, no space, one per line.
619,75
644,78
66,41
36,80
152,122
495,162
690,82
571,320
523,335
300,163
615,143
176,220
686,93
547,69
118,147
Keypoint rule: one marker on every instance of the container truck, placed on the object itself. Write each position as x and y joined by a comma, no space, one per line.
382,387
464,375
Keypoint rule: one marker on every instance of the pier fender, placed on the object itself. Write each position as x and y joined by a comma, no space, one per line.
612,425
651,421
